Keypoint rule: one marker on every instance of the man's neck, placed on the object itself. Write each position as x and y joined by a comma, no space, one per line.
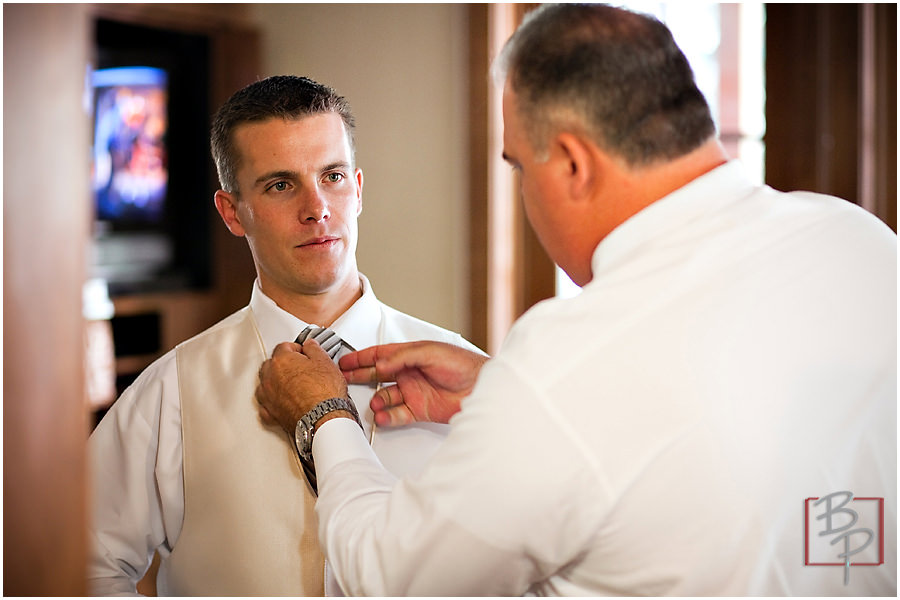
661,180
322,308
625,191
634,189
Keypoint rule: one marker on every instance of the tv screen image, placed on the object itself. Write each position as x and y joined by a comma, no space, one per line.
130,163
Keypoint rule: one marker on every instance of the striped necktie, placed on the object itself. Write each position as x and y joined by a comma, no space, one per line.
328,339
336,347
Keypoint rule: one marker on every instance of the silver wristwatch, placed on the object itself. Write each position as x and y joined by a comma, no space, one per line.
306,426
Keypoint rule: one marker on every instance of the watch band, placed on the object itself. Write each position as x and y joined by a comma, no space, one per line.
306,429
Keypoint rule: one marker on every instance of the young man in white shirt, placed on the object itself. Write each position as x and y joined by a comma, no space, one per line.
182,464
730,364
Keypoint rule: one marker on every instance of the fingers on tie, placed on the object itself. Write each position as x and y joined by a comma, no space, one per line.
284,347
351,361
375,364
312,348
362,359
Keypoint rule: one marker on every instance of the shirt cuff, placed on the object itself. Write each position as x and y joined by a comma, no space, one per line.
339,440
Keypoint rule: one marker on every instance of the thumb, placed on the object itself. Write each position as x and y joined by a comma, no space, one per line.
284,347
312,349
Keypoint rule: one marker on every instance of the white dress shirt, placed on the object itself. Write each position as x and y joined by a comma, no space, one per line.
659,433
136,451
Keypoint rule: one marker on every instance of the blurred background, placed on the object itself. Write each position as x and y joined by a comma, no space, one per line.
113,252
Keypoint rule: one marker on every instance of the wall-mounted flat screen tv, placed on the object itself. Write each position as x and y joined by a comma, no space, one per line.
150,163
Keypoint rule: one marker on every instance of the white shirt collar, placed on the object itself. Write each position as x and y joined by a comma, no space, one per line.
359,326
725,184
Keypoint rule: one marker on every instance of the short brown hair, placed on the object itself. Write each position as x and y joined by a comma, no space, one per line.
284,96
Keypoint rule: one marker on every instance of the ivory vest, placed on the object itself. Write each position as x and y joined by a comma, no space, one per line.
249,523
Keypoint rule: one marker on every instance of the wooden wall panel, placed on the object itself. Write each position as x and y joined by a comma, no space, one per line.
510,271
46,227
45,230
831,109
478,174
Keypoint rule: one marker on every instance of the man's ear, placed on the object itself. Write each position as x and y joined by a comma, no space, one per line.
579,164
359,188
226,204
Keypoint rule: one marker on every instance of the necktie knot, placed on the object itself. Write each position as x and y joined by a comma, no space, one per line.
330,341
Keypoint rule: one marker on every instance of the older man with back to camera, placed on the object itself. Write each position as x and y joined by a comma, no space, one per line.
731,357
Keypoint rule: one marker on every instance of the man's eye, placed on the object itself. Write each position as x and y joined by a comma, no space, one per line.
334,177
279,186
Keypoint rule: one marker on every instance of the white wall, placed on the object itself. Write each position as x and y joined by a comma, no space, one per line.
403,69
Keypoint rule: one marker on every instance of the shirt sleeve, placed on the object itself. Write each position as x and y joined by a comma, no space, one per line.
466,344
137,489
506,502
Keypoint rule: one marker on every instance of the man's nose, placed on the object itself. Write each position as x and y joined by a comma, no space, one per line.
314,207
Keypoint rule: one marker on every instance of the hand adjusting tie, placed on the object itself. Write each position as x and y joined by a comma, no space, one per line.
333,345
330,341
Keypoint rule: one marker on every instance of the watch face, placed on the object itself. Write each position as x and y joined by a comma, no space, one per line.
303,432
303,440
307,443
